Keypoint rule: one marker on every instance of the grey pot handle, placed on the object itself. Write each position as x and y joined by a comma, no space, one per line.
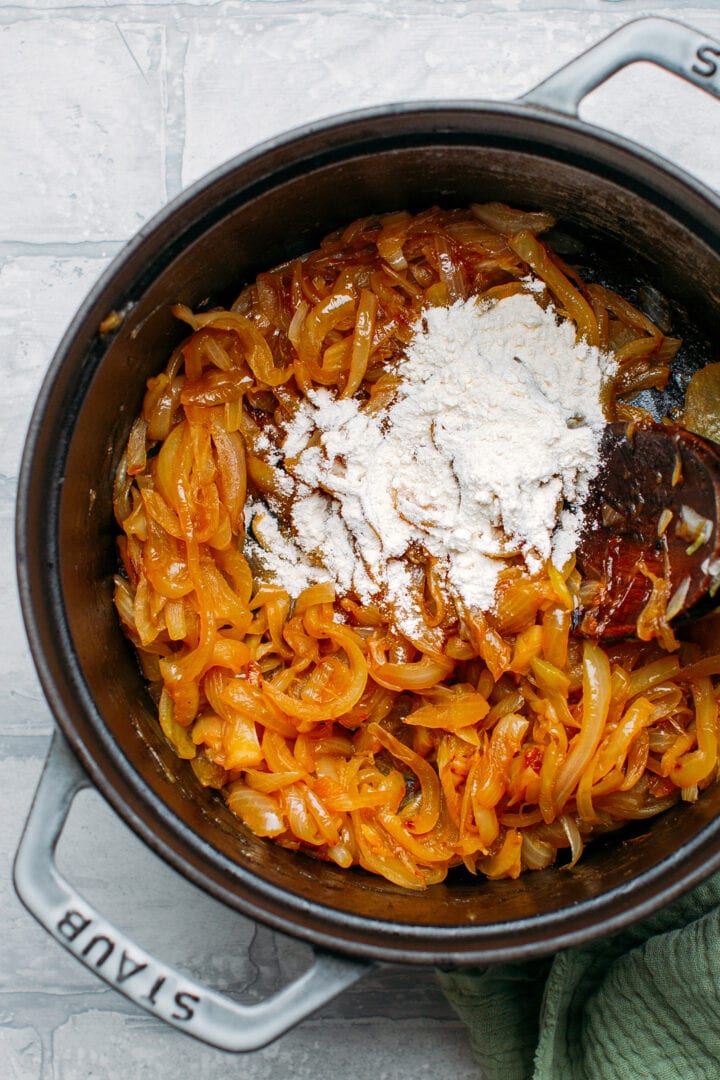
109,953
671,45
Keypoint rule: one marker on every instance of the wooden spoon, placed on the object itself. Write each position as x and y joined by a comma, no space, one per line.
653,509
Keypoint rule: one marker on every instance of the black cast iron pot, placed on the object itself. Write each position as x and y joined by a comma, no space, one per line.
641,215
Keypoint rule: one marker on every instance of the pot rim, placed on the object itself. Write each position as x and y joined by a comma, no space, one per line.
68,695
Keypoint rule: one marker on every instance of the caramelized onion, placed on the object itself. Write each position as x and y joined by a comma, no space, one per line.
484,739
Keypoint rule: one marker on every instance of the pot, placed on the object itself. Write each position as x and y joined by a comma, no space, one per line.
643,217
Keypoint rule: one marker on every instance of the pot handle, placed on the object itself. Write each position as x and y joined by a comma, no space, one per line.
670,44
125,966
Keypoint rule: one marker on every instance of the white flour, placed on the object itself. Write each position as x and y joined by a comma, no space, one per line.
494,431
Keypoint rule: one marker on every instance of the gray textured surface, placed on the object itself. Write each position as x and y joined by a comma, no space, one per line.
108,110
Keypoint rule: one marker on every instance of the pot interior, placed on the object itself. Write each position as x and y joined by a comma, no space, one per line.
626,220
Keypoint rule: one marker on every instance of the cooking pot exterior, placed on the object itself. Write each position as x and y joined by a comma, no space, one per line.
644,218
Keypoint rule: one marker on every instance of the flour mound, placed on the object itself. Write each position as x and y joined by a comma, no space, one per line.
486,453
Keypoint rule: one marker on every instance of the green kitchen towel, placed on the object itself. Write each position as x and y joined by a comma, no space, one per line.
643,1004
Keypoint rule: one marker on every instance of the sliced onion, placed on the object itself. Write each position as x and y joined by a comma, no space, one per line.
595,703
428,811
574,839
534,254
536,854
508,221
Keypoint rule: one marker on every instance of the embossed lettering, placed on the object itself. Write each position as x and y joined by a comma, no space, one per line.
72,925
123,973
181,1000
109,947
156,987
708,56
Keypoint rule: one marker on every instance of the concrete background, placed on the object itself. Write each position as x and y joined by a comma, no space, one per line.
108,111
